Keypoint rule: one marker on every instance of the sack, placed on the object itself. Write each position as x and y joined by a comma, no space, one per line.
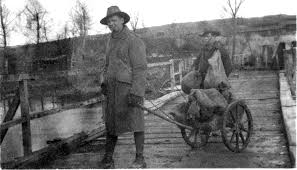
226,61
209,98
192,80
178,112
216,72
204,103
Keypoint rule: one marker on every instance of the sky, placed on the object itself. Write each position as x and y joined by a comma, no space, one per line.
151,12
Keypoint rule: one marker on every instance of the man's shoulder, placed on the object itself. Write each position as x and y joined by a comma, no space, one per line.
133,36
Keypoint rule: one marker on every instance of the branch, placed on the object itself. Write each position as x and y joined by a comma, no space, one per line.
19,14
235,5
230,6
29,10
237,8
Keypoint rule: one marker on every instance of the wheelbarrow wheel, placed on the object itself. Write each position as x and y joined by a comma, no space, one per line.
237,126
194,138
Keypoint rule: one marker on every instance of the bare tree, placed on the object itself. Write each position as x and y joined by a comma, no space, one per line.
4,14
81,24
232,8
64,33
36,22
45,30
81,19
3,19
134,21
143,24
6,28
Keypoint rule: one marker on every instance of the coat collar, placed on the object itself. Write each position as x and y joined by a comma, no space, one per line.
121,35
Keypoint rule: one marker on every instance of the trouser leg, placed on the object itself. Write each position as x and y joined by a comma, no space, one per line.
110,144
107,161
139,143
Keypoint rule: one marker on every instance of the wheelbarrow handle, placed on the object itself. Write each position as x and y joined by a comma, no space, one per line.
165,118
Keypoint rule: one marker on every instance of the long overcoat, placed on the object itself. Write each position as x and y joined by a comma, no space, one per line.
125,72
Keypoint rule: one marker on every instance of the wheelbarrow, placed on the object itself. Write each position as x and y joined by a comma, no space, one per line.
235,125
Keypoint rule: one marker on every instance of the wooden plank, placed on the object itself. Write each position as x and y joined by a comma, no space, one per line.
11,113
158,64
26,129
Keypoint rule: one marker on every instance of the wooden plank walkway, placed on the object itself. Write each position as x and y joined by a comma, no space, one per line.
165,147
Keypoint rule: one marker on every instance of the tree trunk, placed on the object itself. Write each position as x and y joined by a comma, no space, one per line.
4,37
3,26
37,28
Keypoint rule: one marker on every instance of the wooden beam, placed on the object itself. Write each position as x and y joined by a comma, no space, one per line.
36,115
49,153
46,153
11,113
17,77
8,124
25,114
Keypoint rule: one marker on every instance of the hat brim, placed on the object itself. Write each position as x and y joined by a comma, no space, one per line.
121,14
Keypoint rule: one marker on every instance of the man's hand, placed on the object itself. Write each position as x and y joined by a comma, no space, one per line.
134,100
104,88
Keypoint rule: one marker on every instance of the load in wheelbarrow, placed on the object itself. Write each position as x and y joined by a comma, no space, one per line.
209,110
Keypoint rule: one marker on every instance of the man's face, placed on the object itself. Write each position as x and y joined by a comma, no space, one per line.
115,23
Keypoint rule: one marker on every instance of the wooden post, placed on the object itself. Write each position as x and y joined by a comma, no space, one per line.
26,131
277,62
266,57
42,102
172,77
180,67
30,105
53,101
4,106
1,100
54,97
10,113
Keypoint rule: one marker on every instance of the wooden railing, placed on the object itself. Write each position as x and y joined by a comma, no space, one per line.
176,69
240,59
21,98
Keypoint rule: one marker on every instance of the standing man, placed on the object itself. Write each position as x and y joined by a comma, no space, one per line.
123,86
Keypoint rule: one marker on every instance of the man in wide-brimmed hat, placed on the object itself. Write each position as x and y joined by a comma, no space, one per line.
123,86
